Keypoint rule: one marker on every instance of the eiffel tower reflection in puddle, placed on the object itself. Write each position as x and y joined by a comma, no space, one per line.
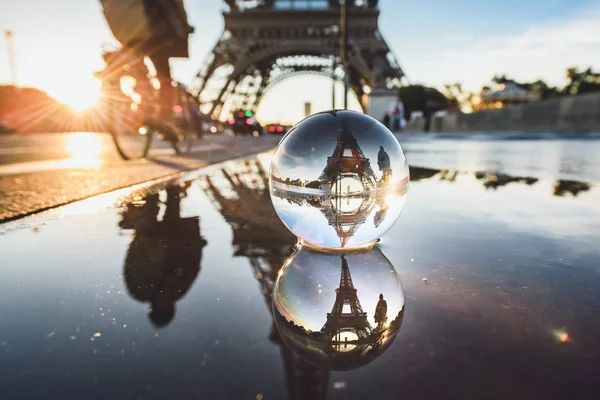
242,197
347,315
346,339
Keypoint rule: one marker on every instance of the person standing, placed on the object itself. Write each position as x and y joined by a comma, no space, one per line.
381,312
383,162
386,120
397,112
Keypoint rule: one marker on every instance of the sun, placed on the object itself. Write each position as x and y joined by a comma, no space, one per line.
79,94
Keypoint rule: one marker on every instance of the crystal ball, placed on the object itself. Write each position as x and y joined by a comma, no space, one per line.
339,179
338,311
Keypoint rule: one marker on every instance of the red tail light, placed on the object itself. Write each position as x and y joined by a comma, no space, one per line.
177,108
249,121
231,121
272,129
279,129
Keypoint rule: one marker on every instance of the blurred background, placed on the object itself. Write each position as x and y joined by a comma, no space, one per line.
257,67
474,56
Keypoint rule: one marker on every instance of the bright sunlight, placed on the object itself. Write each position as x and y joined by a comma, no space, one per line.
80,93
83,145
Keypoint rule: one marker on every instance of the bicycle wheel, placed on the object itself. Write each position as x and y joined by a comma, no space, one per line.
182,143
131,138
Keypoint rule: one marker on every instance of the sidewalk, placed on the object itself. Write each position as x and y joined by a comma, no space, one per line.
26,193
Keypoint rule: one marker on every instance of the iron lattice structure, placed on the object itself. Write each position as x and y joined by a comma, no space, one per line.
267,41
339,321
347,161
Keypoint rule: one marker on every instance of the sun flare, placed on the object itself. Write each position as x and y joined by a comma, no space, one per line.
83,145
80,94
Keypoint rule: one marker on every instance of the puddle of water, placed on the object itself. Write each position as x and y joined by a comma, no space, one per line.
165,296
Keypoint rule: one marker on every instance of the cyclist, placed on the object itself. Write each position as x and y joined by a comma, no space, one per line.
157,29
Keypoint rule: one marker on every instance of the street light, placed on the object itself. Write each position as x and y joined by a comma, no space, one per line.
344,49
11,56
333,81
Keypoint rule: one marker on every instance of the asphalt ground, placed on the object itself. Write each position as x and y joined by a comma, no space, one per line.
41,171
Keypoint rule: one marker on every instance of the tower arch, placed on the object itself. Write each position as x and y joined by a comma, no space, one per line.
259,34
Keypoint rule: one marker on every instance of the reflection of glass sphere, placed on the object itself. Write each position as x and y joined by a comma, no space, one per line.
338,311
338,179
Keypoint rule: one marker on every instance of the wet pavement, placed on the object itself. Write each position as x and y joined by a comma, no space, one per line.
38,172
168,294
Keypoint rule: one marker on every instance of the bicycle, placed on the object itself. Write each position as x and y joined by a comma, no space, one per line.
130,111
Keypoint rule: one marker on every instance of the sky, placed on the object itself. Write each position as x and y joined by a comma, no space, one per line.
58,45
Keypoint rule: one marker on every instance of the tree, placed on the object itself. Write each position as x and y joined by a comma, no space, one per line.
545,91
457,97
539,86
421,98
582,82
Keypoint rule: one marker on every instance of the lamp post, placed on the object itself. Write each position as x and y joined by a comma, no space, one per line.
333,81
11,56
344,49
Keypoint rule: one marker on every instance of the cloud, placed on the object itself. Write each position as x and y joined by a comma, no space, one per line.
459,38
543,51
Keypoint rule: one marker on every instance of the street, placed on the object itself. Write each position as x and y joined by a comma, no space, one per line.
49,151
39,171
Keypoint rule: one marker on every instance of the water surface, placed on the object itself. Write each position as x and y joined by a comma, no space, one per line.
169,296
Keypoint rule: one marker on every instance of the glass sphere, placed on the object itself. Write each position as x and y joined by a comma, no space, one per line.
339,179
338,311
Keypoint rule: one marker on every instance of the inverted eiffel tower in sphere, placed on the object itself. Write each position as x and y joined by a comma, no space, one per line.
347,161
267,41
339,320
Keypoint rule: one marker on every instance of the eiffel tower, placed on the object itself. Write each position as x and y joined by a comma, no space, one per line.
267,41
347,161
339,321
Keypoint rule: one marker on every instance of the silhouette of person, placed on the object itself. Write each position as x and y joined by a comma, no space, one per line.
386,120
381,311
397,111
380,216
163,259
383,162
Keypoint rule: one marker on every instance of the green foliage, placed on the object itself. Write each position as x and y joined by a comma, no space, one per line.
582,82
457,97
538,86
422,98
579,82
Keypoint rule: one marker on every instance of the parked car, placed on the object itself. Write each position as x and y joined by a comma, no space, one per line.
245,123
277,129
